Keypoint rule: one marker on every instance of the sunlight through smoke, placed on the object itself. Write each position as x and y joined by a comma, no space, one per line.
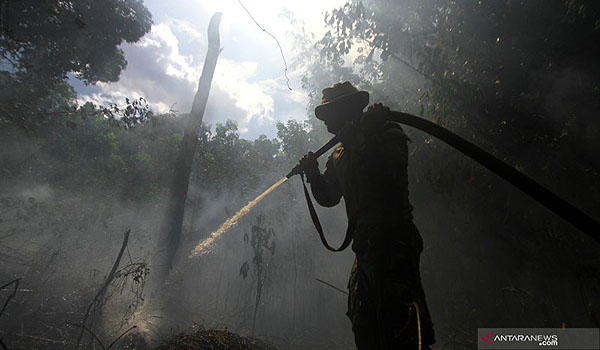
204,246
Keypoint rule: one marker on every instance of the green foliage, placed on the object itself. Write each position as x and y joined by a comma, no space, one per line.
52,38
295,139
225,162
262,238
517,78
26,103
135,112
487,61
42,41
136,164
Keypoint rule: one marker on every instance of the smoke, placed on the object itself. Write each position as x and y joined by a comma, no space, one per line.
61,235
295,311
204,246
491,256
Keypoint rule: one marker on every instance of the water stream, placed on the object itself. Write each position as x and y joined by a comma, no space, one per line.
205,245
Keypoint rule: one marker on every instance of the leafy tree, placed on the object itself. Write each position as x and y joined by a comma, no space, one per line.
227,163
42,41
52,38
295,139
492,62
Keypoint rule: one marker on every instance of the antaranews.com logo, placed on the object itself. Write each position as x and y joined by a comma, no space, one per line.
538,338
542,339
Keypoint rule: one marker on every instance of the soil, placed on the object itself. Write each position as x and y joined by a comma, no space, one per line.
214,339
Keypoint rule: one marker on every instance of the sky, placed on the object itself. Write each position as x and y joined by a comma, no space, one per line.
249,84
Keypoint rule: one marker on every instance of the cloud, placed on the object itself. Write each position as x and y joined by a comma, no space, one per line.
155,70
258,103
221,107
235,79
185,27
248,85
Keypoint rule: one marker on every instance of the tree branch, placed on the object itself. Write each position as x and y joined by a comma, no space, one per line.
119,337
14,292
89,331
102,290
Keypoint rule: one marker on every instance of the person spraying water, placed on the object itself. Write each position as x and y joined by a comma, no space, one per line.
386,301
369,170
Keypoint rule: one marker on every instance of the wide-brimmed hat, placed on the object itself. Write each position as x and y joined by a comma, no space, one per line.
342,96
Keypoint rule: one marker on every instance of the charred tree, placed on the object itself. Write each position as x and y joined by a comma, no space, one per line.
173,222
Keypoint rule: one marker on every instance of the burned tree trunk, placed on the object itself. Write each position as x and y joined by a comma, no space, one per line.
173,223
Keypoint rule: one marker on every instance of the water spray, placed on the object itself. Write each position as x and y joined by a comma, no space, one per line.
205,245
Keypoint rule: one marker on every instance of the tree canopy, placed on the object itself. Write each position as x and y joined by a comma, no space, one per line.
52,38
43,41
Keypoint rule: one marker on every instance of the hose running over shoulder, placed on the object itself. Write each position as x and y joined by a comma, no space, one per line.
559,206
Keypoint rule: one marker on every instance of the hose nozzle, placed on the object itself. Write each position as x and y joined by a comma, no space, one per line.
295,171
298,169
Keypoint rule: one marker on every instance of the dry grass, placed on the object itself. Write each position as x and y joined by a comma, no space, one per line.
214,339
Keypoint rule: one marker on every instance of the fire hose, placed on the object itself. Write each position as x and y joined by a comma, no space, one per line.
542,195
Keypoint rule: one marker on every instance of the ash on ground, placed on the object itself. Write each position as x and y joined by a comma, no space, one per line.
214,339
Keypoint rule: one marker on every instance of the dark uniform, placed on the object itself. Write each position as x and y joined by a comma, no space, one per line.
385,288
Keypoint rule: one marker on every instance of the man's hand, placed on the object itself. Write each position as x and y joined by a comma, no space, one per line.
375,117
308,164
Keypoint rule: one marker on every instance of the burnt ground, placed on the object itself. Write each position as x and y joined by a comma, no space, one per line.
214,339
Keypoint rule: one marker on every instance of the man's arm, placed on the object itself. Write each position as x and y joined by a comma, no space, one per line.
325,188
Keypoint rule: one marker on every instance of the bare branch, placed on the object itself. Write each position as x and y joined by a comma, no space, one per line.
331,285
14,292
89,331
102,290
121,336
